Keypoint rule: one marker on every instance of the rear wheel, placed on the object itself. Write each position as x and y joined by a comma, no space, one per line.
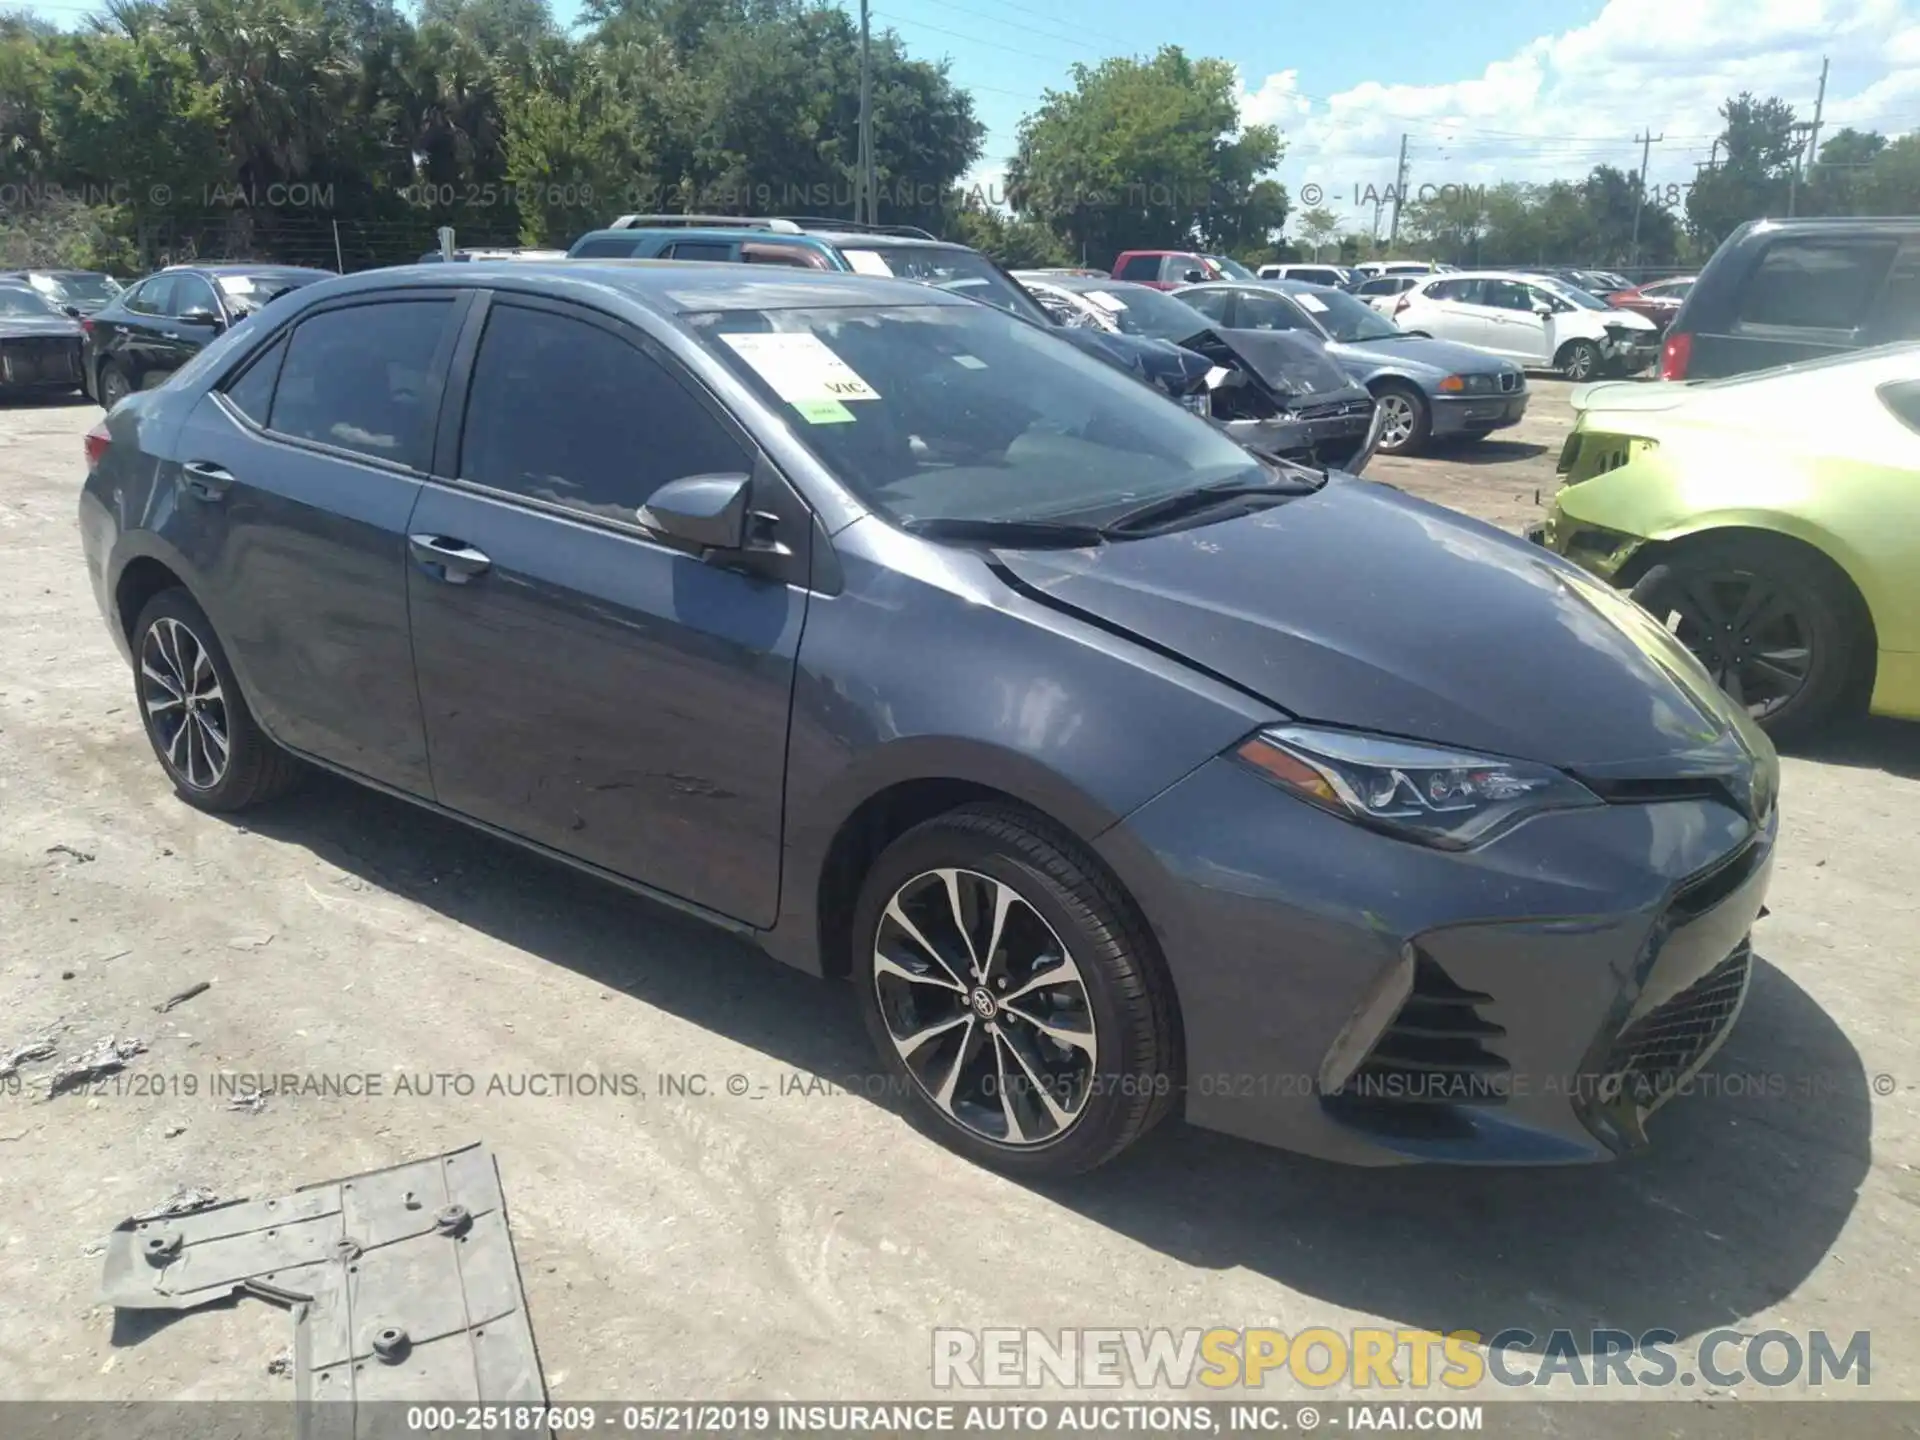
197,720
1005,980
1580,360
1776,626
114,385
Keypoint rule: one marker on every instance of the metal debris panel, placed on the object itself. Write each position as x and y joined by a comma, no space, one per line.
403,1284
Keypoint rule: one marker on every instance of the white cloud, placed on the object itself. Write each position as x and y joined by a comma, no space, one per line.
1562,104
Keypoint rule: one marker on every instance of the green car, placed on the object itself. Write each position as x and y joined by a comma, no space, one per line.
1770,520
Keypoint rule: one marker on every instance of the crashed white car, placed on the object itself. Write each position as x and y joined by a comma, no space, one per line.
1541,323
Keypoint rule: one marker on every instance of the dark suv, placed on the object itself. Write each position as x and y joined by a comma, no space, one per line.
1777,291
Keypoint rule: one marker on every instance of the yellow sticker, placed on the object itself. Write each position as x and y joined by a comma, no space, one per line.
823,412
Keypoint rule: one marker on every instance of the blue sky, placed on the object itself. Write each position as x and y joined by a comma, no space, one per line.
1526,90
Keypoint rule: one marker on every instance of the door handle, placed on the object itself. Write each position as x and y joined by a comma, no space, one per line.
453,561
206,480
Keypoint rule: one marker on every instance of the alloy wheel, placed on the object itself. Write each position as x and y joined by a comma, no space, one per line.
1579,363
987,1009
185,704
1750,634
1398,420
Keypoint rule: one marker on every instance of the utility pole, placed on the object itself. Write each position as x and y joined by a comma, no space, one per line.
866,187
1647,141
1808,152
1399,189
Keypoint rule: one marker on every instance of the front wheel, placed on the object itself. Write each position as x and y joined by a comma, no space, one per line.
202,732
1580,361
1004,980
1406,417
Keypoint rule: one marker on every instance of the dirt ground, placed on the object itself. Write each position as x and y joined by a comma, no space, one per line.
799,1239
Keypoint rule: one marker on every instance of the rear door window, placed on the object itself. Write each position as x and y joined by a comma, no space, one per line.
1815,284
607,247
252,392
1897,316
700,250
1141,267
152,297
361,378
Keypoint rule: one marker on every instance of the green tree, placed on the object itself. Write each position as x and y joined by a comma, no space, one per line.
1753,176
1016,243
1318,226
1145,153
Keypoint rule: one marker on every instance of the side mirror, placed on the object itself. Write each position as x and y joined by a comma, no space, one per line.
1541,307
707,512
72,312
1376,427
1193,277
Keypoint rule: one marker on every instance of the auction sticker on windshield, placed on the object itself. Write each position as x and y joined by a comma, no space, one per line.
869,262
1313,303
804,373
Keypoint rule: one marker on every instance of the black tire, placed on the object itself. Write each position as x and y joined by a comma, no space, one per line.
1419,418
1710,583
253,769
1579,360
114,385
1132,1077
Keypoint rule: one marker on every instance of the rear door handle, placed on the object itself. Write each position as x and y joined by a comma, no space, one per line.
453,561
207,480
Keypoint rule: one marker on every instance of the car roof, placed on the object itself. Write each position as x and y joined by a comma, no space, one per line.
1817,223
228,268
667,287
699,232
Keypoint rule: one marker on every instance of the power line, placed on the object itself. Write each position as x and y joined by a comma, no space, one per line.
1026,50
1011,24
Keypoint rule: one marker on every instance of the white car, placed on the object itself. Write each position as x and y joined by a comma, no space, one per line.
1374,269
1383,292
1541,323
1338,276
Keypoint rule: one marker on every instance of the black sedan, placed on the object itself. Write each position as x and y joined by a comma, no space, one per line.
39,346
1122,772
153,328
74,292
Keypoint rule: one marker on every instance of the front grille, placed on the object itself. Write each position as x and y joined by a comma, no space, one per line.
1653,1056
1435,1051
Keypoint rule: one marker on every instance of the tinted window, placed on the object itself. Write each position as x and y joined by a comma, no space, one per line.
1266,312
150,297
190,292
701,250
1506,295
1897,316
1815,284
252,392
565,411
1211,303
618,247
17,302
1141,267
358,378
1382,287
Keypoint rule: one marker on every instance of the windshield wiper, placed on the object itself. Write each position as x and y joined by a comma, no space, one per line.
1169,508
1019,534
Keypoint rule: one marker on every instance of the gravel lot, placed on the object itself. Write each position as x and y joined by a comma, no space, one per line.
800,1239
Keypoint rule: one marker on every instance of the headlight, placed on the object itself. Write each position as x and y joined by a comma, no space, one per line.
1468,384
1436,796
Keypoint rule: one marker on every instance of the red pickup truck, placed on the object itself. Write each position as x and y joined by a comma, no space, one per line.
1164,269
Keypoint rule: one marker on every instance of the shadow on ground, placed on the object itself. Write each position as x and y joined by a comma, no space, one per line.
1463,451
1749,1181
1892,746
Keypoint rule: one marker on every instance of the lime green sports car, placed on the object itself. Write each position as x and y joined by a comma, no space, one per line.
1771,521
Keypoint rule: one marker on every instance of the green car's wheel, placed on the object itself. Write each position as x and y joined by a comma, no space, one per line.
1775,624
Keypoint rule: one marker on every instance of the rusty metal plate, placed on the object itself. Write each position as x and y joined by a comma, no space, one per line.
403,1284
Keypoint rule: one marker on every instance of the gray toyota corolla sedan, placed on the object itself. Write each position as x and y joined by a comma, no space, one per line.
1120,771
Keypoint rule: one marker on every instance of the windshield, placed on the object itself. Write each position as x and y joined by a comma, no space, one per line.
78,289
1230,267
943,412
1572,294
17,302
965,272
1138,310
1345,318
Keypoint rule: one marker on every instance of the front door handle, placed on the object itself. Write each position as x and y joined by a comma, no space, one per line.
453,561
207,480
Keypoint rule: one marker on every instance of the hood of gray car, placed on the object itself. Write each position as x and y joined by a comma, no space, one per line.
1359,606
1417,354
